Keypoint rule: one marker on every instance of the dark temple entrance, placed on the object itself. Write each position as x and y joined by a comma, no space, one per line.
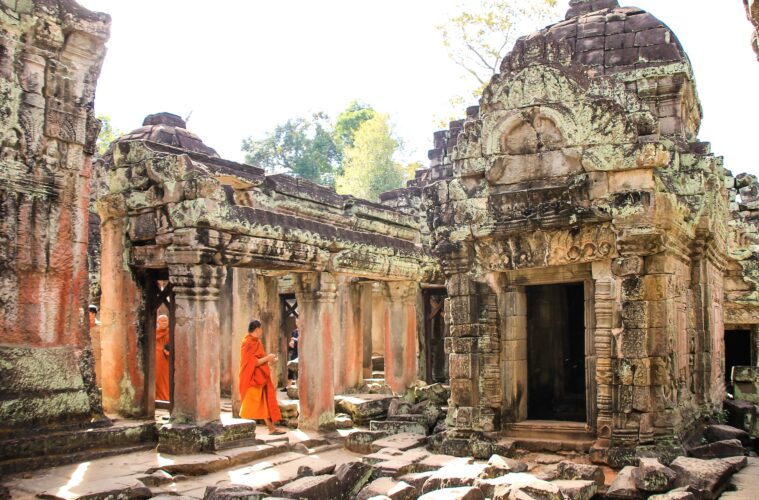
556,352
435,331
737,353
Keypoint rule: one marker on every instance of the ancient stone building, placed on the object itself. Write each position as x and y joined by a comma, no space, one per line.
586,236
50,58
201,235
575,263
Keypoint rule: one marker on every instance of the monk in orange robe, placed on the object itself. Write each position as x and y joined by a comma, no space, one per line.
162,358
257,391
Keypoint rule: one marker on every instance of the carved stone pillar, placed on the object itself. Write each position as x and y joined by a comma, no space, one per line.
243,310
514,380
378,319
196,343
125,360
348,345
317,323
268,310
604,300
462,313
366,327
400,335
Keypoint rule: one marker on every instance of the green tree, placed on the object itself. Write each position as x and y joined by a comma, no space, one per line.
349,121
108,134
477,40
368,165
302,147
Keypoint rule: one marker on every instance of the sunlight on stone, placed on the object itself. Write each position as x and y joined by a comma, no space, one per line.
76,479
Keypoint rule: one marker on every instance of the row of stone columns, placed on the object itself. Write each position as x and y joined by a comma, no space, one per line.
336,334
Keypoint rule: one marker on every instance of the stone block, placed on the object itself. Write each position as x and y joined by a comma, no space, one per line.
746,383
233,492
676,494
654,36
715,433
623,486
394,427
463,493
393,468
311,488
437,393
365,407
576,489
620,57
527,488
388,487
498,466
416,479
400,442
454,475
437,462
571,470
718,449
707,477
653,477
361,441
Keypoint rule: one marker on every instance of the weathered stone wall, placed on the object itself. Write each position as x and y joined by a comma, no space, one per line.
50,58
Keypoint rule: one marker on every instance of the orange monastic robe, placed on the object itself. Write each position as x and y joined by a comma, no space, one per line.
259,397
161,364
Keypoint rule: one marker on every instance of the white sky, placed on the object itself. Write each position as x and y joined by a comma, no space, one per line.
242,67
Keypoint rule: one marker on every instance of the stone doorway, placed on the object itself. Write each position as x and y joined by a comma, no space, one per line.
737,353
289,325
435,331
556,352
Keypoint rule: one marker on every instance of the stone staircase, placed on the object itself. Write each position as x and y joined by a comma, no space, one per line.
549,435
33,451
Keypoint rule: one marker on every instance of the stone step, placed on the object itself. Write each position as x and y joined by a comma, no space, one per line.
553,445
548,429
14,465
95,441
398,427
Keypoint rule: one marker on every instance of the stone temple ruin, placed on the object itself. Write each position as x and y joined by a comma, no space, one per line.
575,272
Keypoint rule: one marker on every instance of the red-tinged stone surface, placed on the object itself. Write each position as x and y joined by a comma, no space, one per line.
316,298
51,61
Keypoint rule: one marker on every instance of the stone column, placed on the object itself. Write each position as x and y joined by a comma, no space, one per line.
514,380
126,359
196,343
316,294
400,335
348,346
243,310
226,344
755,345
366,327
378,319
605,291
462,308
268,310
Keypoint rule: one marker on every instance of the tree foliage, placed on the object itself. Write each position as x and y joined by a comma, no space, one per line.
108,134
478,39
349,121
368,165
303,147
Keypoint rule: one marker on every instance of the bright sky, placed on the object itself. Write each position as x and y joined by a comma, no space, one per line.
242,67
